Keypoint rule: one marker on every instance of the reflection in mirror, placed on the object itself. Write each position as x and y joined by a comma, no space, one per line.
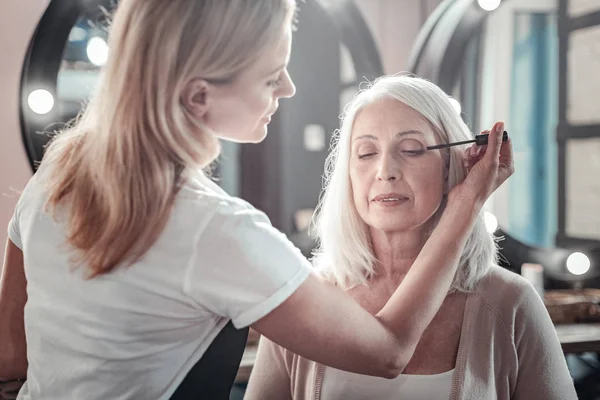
86,51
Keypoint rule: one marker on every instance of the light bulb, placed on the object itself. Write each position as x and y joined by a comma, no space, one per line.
97,51
489,5
40,101
578,263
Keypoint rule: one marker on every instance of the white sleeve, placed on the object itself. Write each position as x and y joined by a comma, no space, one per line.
14,230
21,209
243,267
14,226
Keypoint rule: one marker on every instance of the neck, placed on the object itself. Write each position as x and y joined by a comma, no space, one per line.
397,251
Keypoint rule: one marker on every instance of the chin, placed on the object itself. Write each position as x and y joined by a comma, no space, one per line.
390,228
259,134
256,136
387,224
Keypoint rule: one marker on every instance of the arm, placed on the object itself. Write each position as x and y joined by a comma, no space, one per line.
543,372
319,316
324,324
270,379
13,295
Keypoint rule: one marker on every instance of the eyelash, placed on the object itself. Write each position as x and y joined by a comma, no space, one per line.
361,156
413,153
274,83
410,153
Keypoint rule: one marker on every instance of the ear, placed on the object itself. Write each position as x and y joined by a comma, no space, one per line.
196,97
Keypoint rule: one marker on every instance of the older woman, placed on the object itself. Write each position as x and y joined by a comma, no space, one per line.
384,193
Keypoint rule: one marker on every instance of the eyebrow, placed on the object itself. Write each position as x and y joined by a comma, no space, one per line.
399,134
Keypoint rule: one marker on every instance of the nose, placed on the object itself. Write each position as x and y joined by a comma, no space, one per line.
388,169
287,88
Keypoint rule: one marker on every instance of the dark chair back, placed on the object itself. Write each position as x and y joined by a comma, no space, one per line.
214,374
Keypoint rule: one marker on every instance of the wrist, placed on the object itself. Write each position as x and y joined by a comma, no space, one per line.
465,206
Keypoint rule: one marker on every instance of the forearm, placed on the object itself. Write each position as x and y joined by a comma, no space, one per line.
418,298
13,296
324,324
13,348
9,390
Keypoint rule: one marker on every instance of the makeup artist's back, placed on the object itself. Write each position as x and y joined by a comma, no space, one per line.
154,318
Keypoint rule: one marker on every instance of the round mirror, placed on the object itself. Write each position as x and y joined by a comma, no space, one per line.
333,51
85,52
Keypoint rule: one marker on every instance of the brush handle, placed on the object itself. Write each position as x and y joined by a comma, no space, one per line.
483,139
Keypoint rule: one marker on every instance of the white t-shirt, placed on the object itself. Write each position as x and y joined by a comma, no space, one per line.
135,332
342,385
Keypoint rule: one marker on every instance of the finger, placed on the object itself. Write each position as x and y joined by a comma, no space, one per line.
506,157
495,141
473,161
475,152
467,153
481,150
470,161
506,150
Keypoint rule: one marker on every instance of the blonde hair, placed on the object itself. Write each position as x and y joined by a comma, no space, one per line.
117,170
344,254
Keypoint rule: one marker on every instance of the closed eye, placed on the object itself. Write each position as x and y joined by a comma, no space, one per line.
413,153
366,155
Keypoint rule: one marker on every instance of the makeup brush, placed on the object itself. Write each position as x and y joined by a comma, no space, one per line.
479,141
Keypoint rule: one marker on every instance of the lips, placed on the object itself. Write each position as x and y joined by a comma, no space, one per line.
389,197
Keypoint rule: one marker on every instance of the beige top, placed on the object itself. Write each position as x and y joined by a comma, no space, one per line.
508,350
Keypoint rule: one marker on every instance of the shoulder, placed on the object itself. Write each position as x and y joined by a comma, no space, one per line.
201,192
32,196
216,209
230,228
500,285
506,294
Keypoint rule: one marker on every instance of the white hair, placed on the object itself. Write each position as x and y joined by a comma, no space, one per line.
344,254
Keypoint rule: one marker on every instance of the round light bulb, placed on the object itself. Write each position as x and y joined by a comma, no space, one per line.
578,263
456,105
489,5
97,51
491,222
40,101
77,34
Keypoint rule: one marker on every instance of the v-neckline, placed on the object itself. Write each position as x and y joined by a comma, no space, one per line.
465,331
459,366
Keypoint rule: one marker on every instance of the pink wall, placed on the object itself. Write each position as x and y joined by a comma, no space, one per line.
395,25
17,23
